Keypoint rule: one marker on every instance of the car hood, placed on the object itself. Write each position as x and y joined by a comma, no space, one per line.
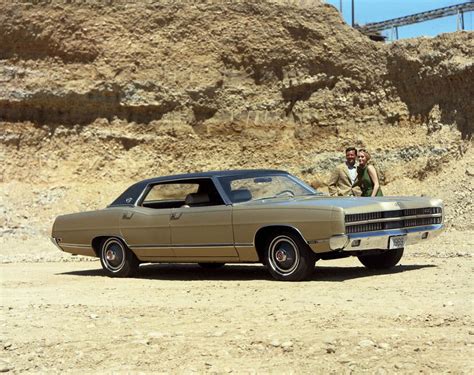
348,204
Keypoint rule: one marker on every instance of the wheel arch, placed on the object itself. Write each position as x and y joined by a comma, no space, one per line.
99,240
97,243
263,234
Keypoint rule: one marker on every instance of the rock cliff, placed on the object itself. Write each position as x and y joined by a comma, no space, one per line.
95,95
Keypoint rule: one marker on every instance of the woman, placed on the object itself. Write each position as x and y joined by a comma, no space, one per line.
367,177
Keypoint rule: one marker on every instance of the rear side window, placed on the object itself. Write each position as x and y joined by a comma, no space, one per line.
170,192
196,193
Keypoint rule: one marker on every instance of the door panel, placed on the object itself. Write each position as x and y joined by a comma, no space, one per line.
147,232
203,232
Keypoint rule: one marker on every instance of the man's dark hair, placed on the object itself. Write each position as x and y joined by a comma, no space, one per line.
351,149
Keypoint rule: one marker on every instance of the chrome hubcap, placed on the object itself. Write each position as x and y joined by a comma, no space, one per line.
281,255
284,256
111,256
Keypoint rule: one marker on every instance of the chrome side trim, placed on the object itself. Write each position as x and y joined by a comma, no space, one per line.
312,242
150,247
82,246
186,245
204,245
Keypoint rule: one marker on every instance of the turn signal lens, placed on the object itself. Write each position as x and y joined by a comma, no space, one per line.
355,243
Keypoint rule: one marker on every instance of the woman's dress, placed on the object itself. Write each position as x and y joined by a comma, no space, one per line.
365,183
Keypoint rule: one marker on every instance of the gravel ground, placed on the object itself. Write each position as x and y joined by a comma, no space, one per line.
67,316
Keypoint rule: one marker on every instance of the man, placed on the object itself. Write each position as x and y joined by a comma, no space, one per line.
343,177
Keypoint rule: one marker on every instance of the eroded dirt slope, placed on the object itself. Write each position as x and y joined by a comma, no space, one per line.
96,96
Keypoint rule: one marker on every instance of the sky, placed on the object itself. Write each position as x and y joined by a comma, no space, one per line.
367,11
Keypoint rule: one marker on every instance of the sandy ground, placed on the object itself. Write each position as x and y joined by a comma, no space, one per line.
59,316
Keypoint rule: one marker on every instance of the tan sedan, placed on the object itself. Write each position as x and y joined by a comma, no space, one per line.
245,216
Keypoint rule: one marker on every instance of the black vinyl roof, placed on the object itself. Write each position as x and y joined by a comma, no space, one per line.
131,195
235,172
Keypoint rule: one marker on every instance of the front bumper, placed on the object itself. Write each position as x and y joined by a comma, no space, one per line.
380,239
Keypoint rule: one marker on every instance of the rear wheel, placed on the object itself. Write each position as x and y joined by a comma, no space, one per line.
385,260
211,266
117,260
289,258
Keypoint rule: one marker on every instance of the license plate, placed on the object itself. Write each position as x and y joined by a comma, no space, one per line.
397,242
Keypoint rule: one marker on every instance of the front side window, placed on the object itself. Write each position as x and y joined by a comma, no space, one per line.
170,192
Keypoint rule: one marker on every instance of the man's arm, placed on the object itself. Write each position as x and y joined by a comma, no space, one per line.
332,182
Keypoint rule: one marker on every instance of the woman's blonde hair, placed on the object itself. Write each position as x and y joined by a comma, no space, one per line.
366,153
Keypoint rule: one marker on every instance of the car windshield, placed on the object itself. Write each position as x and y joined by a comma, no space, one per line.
246,188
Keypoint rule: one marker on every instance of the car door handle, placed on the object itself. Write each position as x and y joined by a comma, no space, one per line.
175,215
127,215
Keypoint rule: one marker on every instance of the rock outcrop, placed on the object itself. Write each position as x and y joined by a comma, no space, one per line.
109,92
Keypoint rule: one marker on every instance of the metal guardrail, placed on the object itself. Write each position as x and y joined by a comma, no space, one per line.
375,27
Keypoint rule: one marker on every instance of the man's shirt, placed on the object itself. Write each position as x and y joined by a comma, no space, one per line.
352,169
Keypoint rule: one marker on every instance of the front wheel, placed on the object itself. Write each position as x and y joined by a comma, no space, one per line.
117,260
385,260
289,258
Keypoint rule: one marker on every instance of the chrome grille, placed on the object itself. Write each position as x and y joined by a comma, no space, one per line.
422,221
422,211
364,228
398,221
363,217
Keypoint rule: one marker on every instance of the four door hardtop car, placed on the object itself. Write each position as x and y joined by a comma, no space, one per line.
245,216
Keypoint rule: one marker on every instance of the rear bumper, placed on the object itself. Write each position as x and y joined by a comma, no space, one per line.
56,243
380,239
75,249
